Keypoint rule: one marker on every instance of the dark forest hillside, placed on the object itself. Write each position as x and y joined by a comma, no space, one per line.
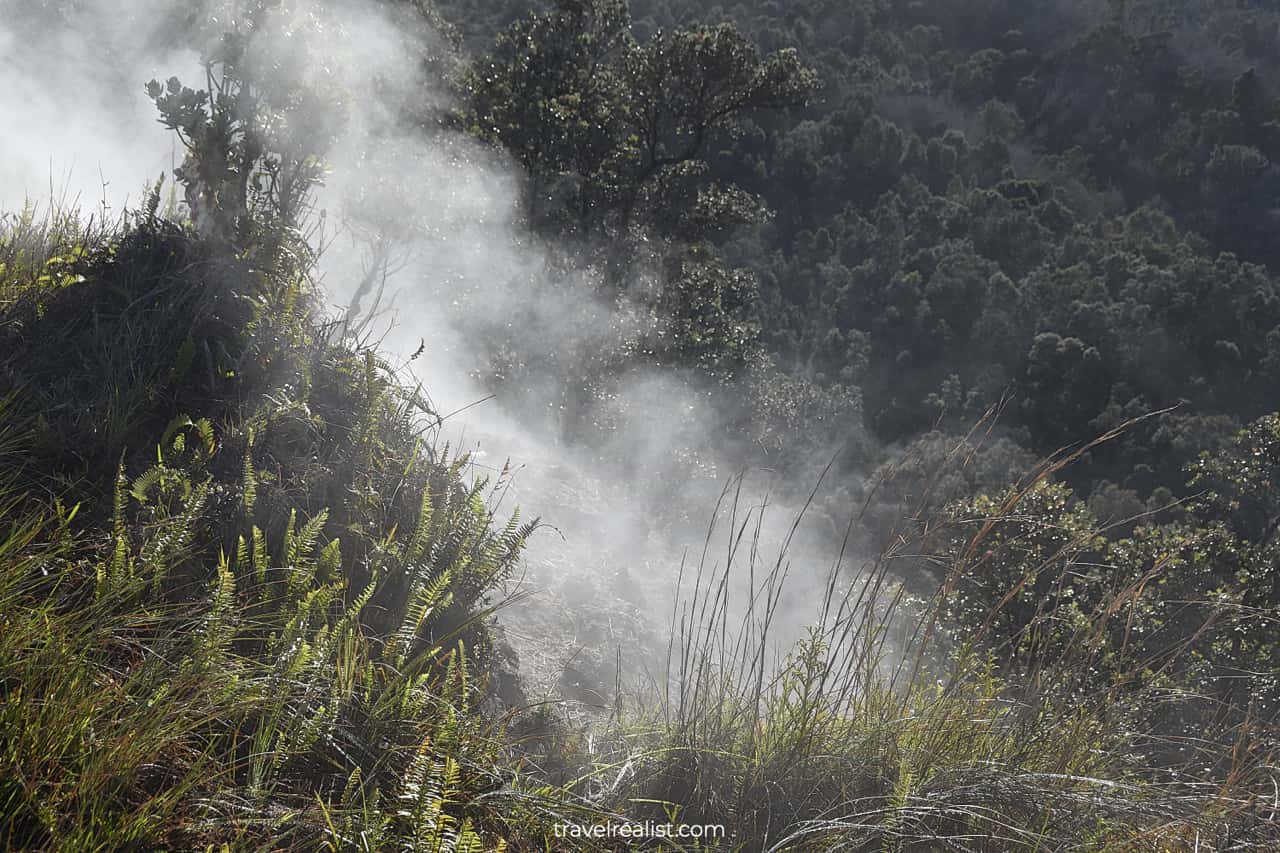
1069,202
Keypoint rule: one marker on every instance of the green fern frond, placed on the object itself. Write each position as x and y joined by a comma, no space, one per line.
249,484
119,523
215,637
204,429
422,531
425,599
329,563
305,542
261,557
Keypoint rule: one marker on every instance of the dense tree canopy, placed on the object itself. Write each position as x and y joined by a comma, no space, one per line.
1070,203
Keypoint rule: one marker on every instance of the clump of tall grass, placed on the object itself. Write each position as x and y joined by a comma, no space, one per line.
258,709
891,726
243,592
41,245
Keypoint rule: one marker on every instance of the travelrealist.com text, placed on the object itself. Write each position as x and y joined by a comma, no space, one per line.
640,829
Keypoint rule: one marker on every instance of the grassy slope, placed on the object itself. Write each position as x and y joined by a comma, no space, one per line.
242,591
243,601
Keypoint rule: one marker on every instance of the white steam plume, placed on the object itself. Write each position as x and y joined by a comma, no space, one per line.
460,253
